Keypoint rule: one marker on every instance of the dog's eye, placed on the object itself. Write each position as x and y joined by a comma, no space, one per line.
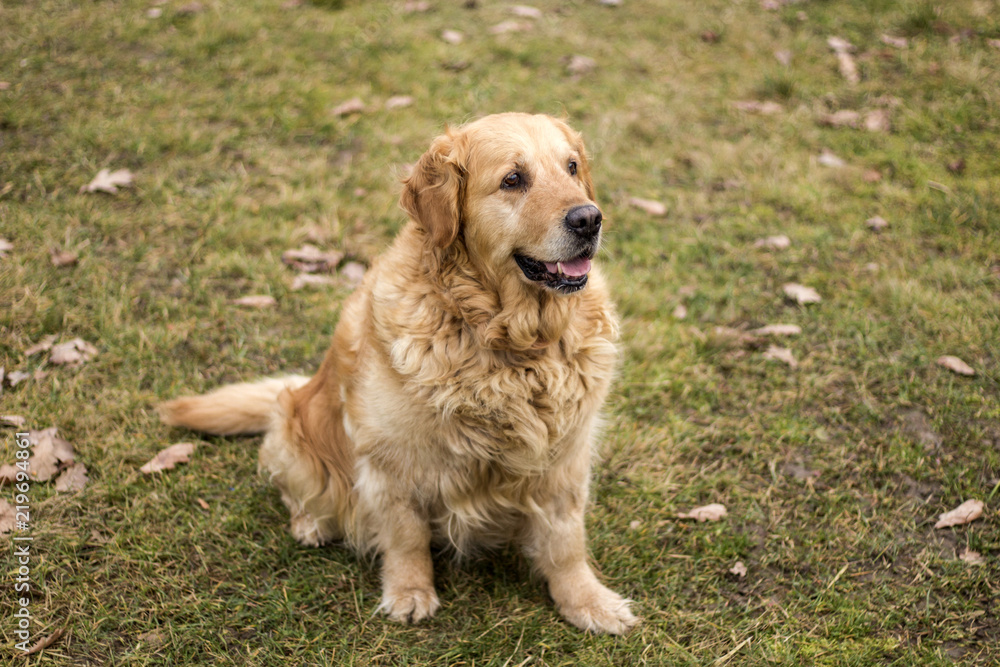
511,180
572,168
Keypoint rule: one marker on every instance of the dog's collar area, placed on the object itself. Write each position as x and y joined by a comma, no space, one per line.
564,277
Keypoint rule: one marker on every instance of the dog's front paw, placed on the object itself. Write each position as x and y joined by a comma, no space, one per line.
410,605
598,609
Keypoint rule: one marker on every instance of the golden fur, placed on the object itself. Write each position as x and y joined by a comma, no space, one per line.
459,400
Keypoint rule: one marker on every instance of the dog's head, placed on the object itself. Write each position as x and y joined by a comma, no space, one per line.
517,190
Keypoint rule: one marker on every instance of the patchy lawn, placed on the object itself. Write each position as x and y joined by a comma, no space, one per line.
834,449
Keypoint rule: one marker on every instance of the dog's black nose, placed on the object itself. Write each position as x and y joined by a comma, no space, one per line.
584,220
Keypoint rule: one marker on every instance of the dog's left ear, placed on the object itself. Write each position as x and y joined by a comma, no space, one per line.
583,163
432,194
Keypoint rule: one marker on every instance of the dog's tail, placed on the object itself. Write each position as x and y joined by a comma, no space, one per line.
234,409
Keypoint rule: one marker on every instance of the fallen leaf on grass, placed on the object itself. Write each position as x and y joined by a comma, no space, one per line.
956,166
712,512
109,181
256,301
579,65
354,272
828,159
5,247
154,13
7,517
415,6
763,108
955,365
782,354
45,642
972,557
190,8
967,512
4,85
351,106
801,294
848,68
75,352
43,345
524,11
8,473
842,118
877,224
779,242
778,330
310,259
62,258
452,36
727,337
783,56
73,478
680,312
13,420
740,570
15,378
710,37
50,454
895,42
310,280
398,102
510,26
169,457
202,504
650,206
995,43
878,121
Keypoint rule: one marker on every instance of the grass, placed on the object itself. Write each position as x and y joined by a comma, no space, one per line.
224,115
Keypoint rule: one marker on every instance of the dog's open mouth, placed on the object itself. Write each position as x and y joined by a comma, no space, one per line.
564,276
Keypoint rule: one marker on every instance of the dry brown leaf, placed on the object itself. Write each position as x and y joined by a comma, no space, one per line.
872,176
73,478
779,242
878,121
310,280
190,8
15,378
8,473
415,6
72,353
635,524
650,206
778,330
202,504
995,43
848,68
510,26
169,457
5,247
680,312
783,56
842,118
62,258
828,159
398,102
967,512
49,454
728,337
972,557
154,13
43,345
955,365
310,259
782,354
351,106
524,11
895,42
109,181
712,512
877,223
256,301
452,36
754,106
7,517
739,569
354,272
801,294
839,45
579,65
13,420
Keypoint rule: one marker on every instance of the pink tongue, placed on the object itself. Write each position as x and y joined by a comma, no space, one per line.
573,268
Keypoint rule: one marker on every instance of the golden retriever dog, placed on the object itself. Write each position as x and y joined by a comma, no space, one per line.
459,401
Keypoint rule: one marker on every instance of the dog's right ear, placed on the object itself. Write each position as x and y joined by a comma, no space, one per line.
432,194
